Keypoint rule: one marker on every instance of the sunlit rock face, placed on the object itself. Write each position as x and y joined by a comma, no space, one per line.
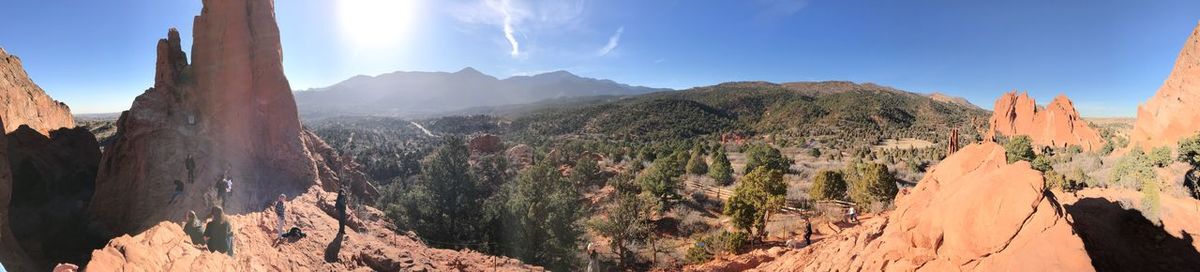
22,102
1174,112
1056,125
230,110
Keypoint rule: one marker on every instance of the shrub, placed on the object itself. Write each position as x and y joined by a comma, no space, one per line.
1054,180
587,172
870,182
1151,206
723,242
1018,149
1160,156
766,156
1189,151
1132,170
814,152
828,184
1041,163
696,164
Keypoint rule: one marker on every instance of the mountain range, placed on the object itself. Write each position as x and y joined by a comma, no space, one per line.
408,94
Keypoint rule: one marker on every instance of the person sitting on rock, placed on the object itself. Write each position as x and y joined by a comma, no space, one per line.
280,211
219,232
194,228
340,204
178,191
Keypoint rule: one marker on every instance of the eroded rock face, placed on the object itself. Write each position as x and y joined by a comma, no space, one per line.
22,102
485,144
1057,125
972,212
369,244
1173,113
53,179
12,257
230,110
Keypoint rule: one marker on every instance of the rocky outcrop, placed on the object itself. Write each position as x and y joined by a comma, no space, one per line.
22,102
53,179
485,144
231,110
520,156
1173,112
972,212
369,244
12,257
1057,125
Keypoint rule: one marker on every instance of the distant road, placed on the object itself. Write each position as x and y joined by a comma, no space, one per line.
423,129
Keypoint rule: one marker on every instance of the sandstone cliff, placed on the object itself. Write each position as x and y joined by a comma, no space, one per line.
12,257
24,103
1172,114
1058,124
231,110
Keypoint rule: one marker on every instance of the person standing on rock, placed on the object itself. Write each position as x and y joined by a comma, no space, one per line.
280,211
224,187
851,215
194,228
807,232
340,204
219,232
191,168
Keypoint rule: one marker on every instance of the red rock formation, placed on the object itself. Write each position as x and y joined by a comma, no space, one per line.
972,212
369,244
12,257
952,146
1174,111
520,156
1057,125
231,109
485,144
24,103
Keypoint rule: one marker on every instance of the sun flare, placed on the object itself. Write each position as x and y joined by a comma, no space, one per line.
377,24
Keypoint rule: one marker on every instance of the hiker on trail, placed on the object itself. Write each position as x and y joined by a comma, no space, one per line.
851,215
280,211
191,168
224,187
807,232
219,232
193,227
178,191
340,204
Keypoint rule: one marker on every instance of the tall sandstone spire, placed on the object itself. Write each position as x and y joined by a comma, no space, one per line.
231,110
22,102
1174,112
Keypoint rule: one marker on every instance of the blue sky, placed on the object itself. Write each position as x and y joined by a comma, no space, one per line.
1107,55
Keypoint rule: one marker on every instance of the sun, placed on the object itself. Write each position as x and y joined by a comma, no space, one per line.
377,24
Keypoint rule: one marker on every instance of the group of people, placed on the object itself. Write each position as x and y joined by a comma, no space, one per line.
217,235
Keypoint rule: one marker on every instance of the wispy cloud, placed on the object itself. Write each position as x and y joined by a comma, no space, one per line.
519,19
613,42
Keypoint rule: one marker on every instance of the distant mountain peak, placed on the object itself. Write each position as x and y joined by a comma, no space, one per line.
469,70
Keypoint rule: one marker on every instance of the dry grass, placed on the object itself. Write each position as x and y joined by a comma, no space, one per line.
906,143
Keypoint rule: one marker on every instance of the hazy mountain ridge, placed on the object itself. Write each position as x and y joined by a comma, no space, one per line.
417,93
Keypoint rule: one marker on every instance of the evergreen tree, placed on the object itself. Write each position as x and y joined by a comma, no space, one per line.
1018,149
722,171
587,172
869,183
760,193
764,155
446,203
828,184
627,223
542,213
696,164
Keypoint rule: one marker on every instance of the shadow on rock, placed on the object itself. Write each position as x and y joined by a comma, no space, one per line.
335,247
1123,240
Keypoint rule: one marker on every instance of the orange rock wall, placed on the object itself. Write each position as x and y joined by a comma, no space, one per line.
1174,111
1057,125
24,103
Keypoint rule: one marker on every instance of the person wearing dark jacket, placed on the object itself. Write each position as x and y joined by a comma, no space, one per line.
194,228
808,232
340,204
219,232
281,211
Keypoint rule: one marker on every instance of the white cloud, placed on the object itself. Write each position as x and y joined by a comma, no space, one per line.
517,19
613,42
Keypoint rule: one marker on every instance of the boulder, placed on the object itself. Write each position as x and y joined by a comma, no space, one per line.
971,212
230,110
1056,125
22,102
1171,114
485,144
